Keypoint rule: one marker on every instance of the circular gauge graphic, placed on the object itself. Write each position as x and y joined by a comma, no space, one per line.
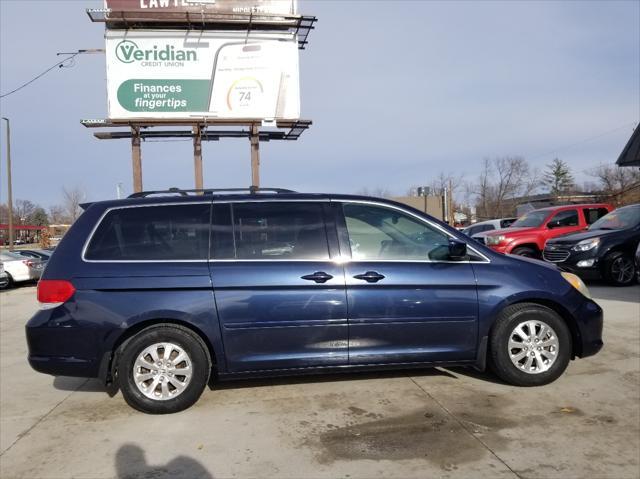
245,93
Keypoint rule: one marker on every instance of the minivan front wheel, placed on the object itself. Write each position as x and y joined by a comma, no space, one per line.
163,369
530,345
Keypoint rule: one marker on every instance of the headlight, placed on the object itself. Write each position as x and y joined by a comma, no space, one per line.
577,283
586,245
495,240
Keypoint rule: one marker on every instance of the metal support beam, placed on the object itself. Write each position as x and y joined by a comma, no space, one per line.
9,186
255,156
197,157
136,159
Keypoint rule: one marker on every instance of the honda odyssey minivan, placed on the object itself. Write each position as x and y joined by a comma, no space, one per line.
163,293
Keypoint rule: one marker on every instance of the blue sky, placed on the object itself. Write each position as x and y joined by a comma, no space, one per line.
398,92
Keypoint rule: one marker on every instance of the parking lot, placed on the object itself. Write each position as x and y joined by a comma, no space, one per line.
426,423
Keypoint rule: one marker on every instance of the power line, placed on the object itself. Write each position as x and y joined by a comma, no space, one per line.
60,64
586,140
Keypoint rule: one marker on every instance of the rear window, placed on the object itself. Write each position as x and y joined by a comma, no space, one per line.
173,232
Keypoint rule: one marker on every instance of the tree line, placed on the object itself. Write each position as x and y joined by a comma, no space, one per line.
505,182
26,212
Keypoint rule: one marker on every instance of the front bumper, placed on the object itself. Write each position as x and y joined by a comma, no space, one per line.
571,261
589,319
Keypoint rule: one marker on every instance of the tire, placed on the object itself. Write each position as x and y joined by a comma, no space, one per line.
159,388
544,367
619,269
526,252
10,282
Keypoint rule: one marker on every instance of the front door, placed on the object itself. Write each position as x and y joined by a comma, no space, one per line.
280,298
406,301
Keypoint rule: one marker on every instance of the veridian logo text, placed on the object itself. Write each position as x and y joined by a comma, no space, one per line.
129,52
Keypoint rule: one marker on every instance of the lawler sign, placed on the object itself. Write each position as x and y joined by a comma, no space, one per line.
164,74
270,7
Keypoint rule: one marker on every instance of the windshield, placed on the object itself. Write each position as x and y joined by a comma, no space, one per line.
620,219
531,219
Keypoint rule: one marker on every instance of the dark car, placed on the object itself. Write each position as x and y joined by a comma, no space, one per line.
41,254
605,250
159,295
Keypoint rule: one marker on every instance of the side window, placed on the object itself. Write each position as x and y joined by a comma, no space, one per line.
222,232
378,233
565,218
484,228
173,232
279,230
591,215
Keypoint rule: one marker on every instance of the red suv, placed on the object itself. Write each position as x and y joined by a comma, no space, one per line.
527,236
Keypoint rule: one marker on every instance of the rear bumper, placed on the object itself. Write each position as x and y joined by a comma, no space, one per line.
61,346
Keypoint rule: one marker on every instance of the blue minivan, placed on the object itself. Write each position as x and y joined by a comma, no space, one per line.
162,293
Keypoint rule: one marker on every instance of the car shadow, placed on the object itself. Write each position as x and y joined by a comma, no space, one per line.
131,463
20,285
326,378
66,383
485,375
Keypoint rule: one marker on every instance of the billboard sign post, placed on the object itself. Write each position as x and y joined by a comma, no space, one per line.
200,64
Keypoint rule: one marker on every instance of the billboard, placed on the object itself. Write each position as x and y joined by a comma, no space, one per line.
269,7
182,74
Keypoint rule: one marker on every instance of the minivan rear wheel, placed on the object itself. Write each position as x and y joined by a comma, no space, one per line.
530,345
163,369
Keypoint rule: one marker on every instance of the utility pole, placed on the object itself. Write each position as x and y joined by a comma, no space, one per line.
9,193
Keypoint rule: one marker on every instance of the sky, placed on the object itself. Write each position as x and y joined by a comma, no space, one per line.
398,91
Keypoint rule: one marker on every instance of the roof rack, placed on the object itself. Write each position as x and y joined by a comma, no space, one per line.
210,191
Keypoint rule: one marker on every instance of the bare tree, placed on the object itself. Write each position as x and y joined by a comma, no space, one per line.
621,185
72,198
57,215
23,209
500,180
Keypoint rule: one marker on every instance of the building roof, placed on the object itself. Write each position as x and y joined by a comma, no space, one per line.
630,156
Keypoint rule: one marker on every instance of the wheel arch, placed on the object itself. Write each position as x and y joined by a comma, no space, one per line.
109,360
567,317
527,244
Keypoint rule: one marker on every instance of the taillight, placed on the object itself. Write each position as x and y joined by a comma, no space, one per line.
29,263
54,291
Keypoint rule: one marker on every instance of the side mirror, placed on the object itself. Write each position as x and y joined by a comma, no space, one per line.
457,250
553,224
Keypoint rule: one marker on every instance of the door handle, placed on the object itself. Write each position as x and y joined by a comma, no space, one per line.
370,276
318,277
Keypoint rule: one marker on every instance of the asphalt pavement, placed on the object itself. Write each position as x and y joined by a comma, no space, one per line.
428,423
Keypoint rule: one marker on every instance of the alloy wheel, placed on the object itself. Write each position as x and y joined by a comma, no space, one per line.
622,270
162,371
533,346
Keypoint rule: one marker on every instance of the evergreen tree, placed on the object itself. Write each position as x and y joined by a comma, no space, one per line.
558,177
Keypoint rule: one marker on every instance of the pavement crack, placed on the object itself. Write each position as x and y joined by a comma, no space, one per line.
465,427
42,418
